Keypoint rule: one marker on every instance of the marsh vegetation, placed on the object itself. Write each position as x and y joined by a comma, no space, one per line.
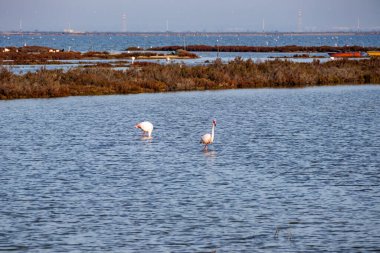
45,55
151,77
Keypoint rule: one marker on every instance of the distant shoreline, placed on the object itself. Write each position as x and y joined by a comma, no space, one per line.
189,33
264,49
32,55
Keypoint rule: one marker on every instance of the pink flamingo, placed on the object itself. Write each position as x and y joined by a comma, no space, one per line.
146,127
208,138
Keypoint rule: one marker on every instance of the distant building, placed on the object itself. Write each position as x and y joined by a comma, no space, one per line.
69,30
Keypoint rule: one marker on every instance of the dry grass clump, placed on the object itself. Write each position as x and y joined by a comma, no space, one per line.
57,83
150,77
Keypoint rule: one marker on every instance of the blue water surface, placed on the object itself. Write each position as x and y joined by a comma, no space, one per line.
291,170
113,42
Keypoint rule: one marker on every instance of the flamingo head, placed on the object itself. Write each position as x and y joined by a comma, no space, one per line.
214,122
137,126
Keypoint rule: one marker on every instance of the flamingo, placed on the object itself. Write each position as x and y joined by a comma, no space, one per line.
208,138
146,127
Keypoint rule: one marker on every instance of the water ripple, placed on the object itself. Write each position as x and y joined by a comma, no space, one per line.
290,171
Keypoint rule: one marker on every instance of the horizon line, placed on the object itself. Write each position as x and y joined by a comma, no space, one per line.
188,32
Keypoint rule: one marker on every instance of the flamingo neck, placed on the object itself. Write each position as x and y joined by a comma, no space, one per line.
212,132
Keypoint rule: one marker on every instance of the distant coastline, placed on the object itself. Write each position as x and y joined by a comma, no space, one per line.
191,33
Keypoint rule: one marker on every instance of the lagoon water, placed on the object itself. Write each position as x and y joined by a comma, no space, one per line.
291,170
119,42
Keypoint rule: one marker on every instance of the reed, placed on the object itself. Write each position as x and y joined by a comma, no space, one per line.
151,77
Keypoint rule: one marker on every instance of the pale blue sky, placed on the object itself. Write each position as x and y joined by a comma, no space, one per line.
193,15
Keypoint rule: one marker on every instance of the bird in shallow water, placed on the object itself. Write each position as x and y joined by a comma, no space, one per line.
146,127
208,138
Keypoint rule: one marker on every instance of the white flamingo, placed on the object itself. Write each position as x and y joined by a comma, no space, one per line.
208,138
146,127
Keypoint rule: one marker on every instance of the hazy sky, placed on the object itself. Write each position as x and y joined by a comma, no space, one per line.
189,15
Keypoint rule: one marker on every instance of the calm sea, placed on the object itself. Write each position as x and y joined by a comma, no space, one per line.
291,170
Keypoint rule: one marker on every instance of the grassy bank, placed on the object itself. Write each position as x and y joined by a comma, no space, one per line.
177,77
